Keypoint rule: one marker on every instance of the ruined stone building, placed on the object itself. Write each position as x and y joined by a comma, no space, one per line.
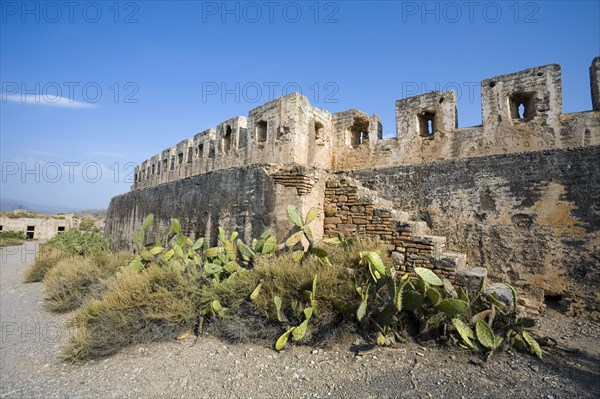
36,226
518,195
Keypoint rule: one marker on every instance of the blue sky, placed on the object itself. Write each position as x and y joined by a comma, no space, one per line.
90,89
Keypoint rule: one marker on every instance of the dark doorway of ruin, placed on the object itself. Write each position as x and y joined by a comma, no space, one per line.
261,131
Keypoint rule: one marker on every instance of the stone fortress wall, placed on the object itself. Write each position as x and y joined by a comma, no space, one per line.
521,112
516,197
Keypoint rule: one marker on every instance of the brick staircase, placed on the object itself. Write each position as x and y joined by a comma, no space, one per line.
351,208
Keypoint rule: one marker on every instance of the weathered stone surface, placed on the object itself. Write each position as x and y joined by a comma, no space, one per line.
531,214
36,226
290,130
247,199
237,199
517,194
397,258
471,277
503,293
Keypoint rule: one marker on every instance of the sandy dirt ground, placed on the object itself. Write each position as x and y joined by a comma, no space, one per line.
30,366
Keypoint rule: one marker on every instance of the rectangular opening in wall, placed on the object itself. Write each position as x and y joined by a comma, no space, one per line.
180,158
227,139
200,151
61,229
190,154
165,164
153,169
242,137
0,227
158,168
359,132
261,131
148,172
30,232
318,129
522,106
172,162
426,124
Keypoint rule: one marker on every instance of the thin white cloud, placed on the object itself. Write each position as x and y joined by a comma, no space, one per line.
38,99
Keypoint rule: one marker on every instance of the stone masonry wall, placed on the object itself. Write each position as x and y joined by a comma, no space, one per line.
521,112
248,200
532,219
517,194
44,226
353,210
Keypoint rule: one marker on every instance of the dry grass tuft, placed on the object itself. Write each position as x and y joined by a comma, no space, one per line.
46,259
231,292
159,303
75,280
289,280
245,325
152,305
281,276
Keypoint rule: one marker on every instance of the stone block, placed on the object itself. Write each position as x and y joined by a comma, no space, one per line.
471,277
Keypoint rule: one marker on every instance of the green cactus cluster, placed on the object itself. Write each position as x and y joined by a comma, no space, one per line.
388,306
297,332
479,320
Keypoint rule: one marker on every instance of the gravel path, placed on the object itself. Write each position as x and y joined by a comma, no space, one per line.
32,338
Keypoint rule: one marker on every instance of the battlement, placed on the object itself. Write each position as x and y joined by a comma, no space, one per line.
521,112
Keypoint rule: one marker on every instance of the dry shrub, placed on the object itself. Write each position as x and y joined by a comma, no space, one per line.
152,305
47,258
231,292
245,324
256,321
284,277
289,280
556,282
7,242
75,280
110,263
71,282
242,322
158,304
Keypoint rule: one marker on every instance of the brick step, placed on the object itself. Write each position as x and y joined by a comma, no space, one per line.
450,261
399,216
470,277
350,205
419,228
438,242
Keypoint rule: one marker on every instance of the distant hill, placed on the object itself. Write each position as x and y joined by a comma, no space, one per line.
92,213
8,205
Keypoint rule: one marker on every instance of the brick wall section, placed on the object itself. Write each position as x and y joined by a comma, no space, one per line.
345,213
294,178
349,213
